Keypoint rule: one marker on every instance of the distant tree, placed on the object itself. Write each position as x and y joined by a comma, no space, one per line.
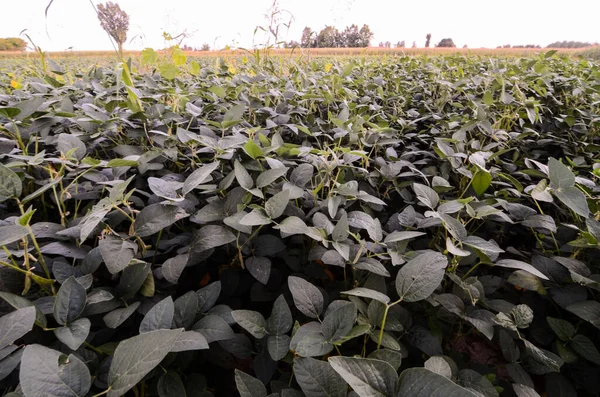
387,44
351,36
446,43
291,44
115,22
427,40
465,46
205,47
12,44
527,46
568,44
414,45
380,45
400,44
307,40
366,35
327,37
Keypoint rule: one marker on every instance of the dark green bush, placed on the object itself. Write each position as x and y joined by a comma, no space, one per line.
415,227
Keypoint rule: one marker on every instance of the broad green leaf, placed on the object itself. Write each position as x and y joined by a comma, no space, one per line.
368,293
249,386
481,181
190,340
562,328
156,217
573,198
587,310
515,264
235,113
543,358
198,177
242,176
10,184
278,346
307,298
159,317
259,267
48,373
338,321
117,253
560,175
16,324
211,236
395,237
135,357
420,382
585,348
269,176
252,149
426,195
214,328
281,320
170,385
11,233
118,316
251,321
439,365
275,206
70,301
308,341
391,357
367,377
317,378
341,230
417,279
292,225
18,302
68,143
94,217
74,334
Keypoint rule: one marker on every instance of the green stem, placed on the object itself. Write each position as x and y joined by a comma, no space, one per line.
387,307
102,393
471,269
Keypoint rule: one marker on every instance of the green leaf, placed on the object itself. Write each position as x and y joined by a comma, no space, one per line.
118,316
242,176
269,176
275,206
18,302
259,267
515,264
170,385
366,376
368,293
211,236
573,198
426,195
417,279
251,321
585,348
135,357
278,346
292,225
317,378
156,217
308,341
10,184
70,301
395,237
339,320
252,149
235,113
11,233
117,253
168,70
198,177
543,358
249,386
307,298
562,328
341,230
214,328
422,382
481,181
560,175
159,317
48,373
218,91
189,341
68,143
587,310
16,324
281,320
74,334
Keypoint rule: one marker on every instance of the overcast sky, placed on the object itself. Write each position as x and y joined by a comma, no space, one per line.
476,23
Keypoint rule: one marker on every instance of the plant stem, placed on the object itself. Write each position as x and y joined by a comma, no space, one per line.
387,307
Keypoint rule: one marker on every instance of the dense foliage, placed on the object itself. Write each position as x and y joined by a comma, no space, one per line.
12,44
400,227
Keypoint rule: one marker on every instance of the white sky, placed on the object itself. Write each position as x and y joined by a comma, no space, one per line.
477,23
